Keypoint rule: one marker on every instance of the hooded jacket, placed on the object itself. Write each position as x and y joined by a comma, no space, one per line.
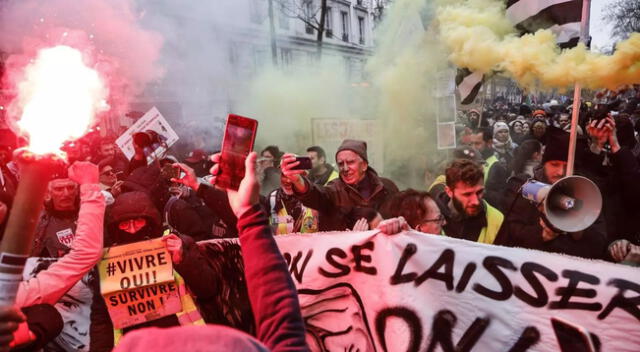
198,276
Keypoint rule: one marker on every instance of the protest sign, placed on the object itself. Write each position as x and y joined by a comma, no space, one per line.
329,133
153,121
418,292
137,283
445,108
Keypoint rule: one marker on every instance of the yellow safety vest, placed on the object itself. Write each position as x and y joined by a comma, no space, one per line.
494,222
284,224
333,176
189,315
487,166
440,180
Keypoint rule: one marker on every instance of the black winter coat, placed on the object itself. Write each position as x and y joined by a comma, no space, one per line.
521,227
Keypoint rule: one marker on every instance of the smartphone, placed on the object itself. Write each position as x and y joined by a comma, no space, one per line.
305,163
237,143
168,172
571,337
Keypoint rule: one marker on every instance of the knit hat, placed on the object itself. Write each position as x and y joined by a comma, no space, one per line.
539,112
557,146
356,146
499,126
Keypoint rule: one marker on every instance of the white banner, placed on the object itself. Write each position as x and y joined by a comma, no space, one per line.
417,292
152,120
329,133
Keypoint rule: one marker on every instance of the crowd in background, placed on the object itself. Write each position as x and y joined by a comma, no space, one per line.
106,200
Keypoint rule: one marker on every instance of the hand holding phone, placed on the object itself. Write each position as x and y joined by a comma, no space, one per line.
237,143
304,163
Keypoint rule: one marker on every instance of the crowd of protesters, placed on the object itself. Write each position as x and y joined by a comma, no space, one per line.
104,200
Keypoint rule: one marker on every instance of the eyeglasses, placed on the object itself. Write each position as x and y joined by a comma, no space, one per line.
440,220
108,173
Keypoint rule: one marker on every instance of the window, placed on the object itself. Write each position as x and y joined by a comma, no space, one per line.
345,25
283,19
255,11
359,2
285,57
308,15
328,24
361,29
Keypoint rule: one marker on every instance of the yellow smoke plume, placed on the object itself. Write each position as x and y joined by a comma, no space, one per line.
477,36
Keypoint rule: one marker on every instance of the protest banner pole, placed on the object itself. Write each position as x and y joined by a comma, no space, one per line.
584,37
36,170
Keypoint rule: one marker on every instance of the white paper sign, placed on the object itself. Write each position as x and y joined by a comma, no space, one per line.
154,121
329,133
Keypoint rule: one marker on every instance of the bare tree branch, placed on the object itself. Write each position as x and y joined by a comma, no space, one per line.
624,16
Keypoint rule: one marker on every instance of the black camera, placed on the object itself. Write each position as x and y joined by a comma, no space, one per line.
147,138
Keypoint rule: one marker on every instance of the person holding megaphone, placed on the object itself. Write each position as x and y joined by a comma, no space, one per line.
553,213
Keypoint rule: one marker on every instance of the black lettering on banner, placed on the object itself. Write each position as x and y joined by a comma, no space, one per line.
122,266
442,329
409,317
493,265
162,259
446,259
398,277
529,337
572,290
359,257
629,305
132,296
142,307
163,289
151,260
529,271
125,283
298,272
344,269
469,269
113,301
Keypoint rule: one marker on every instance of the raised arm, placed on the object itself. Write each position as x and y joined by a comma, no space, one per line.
50,285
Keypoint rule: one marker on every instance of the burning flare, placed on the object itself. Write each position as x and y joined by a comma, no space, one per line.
60,96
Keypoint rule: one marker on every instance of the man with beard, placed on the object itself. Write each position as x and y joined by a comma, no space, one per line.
321,171
358,186
468,216
494,171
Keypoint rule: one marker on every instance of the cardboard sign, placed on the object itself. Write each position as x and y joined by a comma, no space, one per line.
154,121
137,283
418,292
329,133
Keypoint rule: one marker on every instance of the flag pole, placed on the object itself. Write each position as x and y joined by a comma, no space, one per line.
584,37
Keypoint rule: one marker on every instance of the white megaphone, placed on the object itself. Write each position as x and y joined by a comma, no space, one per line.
570,205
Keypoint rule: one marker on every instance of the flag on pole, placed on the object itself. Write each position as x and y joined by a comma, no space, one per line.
562,17
468,84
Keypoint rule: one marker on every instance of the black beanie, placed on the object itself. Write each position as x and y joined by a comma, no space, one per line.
358,147
557,146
